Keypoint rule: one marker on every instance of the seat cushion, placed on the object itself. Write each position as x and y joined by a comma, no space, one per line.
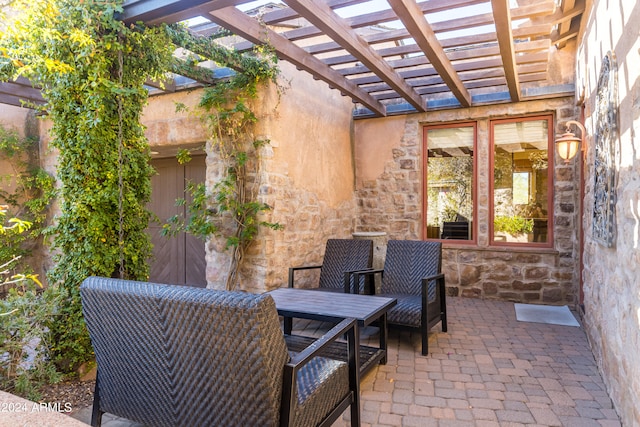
322,384
407,311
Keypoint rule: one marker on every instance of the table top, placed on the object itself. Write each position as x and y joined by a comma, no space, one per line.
321,305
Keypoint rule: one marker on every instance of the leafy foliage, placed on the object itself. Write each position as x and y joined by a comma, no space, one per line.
26,193
91,68
23,312
231,209
450,189
512,224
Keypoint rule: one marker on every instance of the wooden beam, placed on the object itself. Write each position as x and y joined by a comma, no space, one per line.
22,90
565,27
192,12
561,17
244,26
270,18
13,100
320,15
414,20
502,16
156,10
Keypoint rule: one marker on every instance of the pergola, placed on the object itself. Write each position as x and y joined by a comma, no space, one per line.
389,57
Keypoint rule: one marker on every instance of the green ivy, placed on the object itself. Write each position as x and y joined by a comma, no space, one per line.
26,192
91,68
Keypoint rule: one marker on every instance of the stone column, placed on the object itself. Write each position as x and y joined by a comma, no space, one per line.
379,249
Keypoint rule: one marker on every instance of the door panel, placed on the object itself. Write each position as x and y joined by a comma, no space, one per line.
178,259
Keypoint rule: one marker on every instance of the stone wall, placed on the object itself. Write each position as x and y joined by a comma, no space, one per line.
612,274
308,178
389,190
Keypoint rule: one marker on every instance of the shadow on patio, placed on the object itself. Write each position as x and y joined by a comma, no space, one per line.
488,370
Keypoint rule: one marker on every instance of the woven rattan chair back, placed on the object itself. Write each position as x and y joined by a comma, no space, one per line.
407,262
340,256
182,356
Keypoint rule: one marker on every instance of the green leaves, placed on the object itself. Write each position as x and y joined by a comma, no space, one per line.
92,69
230,210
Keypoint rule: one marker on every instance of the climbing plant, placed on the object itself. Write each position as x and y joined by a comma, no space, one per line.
24,309
91,68
25,195
231,209
26,191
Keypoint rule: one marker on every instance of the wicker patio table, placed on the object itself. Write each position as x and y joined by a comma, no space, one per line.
334,307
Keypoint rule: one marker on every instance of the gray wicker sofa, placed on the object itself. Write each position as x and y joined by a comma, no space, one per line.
183,356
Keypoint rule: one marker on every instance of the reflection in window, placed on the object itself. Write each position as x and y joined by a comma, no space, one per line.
521,199
449,181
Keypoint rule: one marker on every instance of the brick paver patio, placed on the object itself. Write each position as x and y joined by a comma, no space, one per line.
488,370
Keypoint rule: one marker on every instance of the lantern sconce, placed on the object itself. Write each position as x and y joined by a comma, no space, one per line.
568,143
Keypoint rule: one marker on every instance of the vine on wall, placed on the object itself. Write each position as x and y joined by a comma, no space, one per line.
26,192
91,68
231,209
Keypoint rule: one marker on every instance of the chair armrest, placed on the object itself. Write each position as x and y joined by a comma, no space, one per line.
317,346
369,272
434,277
425,284
289,386
356,279
292,270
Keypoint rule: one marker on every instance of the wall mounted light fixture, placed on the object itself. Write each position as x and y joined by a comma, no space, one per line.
568,143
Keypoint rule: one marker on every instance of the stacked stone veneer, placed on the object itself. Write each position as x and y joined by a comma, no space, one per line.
612,274
307,220
307,179
389,192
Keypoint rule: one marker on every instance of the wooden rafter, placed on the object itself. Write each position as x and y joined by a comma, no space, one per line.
156,11
366,57
196,10
20,90
252,30
326,20
413,19
565,26
502,16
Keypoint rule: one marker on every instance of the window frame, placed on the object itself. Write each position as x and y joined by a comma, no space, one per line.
550,180
474,185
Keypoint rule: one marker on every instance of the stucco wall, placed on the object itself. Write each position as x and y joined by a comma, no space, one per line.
612,275
389,189
307,173
308,179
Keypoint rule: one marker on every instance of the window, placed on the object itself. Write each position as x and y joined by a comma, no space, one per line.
449,166
522,181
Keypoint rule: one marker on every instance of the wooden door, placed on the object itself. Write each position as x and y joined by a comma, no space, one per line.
180,259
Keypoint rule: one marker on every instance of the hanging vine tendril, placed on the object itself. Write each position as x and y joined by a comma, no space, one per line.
120,167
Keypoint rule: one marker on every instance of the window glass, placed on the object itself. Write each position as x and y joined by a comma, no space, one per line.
521,180
449,181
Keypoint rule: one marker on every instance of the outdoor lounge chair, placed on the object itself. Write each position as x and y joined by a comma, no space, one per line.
341,258
412,275
183,356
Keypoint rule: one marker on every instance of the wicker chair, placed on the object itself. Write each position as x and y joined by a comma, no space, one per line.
412,275
341,258
182,356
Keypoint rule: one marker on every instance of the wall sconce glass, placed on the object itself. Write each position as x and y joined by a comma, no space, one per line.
568,143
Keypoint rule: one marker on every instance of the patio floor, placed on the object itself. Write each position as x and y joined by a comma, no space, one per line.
488,370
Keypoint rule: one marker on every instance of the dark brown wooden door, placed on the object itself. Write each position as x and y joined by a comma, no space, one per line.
180,259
